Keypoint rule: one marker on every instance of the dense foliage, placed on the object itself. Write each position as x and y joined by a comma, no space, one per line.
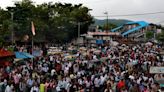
149,35
160,37
54,22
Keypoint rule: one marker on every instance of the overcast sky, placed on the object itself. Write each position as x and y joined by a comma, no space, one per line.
115,7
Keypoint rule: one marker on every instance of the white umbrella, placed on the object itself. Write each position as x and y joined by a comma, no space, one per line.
149,44
114,43
123,45
17,59
97,51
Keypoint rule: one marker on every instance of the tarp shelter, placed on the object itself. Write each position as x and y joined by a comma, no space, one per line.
5,63
99,42
23,55
5,53
5,57
114,43
149,44
37,53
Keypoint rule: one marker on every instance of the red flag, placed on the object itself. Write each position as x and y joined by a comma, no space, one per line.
32,28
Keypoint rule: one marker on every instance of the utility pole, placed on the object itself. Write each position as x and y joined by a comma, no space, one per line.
78,33
12,29
107,21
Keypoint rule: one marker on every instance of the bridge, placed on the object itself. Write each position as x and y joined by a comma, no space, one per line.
131,29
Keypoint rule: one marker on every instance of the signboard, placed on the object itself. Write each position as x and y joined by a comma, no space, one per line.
103,33
156,70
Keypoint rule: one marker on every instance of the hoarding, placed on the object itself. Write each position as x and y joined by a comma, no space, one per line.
156,70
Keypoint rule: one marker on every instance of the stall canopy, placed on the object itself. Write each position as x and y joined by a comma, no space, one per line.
5,53
23,55
149,44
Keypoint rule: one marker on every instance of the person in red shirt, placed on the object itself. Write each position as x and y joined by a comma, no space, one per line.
121,84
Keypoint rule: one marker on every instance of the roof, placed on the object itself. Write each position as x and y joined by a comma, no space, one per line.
138,22
5,53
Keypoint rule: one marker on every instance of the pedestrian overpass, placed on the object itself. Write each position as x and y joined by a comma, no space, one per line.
132,29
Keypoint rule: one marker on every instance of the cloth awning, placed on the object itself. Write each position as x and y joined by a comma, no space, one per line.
23,55
149,44
5,53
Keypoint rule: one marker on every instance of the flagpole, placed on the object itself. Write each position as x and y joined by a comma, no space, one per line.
33,33
32,50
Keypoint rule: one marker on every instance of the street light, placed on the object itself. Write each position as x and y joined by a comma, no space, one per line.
107,19
79,27
12,31
12,26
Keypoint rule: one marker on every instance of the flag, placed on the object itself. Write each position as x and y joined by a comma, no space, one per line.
32,28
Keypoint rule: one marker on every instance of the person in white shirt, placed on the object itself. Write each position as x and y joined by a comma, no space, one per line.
88,85
51,58
9,88
76,68
66,70
45,69
53,72
97,84
35,88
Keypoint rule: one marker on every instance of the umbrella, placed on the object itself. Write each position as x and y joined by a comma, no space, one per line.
97,51
23,55
17,59
149,44
114,43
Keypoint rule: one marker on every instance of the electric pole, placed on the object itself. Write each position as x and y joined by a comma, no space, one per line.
12,29
107,21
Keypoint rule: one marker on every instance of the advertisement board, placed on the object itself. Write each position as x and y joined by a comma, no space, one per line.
156,70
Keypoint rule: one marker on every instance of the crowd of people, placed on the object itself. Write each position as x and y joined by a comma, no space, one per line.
122,68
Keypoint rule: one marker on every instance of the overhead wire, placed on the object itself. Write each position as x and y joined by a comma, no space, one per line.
138,14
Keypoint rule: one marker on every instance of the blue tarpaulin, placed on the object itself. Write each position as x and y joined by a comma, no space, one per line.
99,41
23,55
36,53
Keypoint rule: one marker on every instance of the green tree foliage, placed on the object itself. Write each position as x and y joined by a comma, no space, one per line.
149,34
160,37
109,26
54,22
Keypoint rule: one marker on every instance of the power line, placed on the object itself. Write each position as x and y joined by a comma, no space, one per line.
94,2
139,14
88,2
161,21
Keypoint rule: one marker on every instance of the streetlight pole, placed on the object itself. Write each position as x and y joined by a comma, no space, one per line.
107,20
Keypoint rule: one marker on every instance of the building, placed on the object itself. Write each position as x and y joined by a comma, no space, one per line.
99,36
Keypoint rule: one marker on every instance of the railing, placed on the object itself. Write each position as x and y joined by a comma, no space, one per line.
137,35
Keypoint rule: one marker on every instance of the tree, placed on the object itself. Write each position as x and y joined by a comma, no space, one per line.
160,37
53,22
149,35
108,26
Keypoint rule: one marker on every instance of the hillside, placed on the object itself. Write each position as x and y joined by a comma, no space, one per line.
117,22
